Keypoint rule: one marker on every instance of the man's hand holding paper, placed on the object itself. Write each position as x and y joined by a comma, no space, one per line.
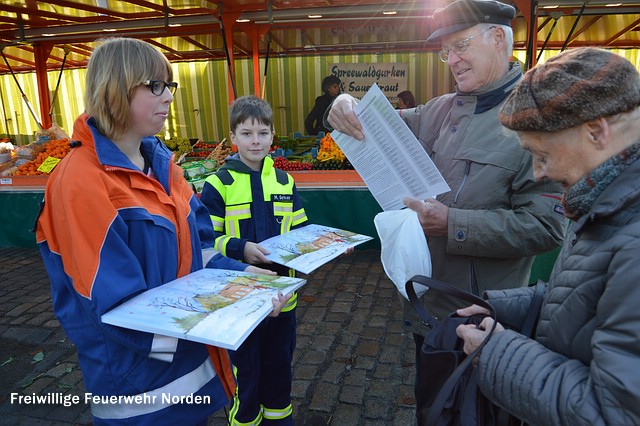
342,117
432,214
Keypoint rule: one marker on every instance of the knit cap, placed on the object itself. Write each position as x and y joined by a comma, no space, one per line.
463,14
570,89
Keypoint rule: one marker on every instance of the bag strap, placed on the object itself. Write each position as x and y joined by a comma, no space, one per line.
473,280
448,387
443,287
534,310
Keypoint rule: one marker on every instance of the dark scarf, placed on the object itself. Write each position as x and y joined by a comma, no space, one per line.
578,199
486,101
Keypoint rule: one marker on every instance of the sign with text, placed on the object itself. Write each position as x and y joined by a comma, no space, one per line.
357,79
48,164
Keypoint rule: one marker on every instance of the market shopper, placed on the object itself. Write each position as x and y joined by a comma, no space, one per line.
485,232
579,116
313,123
406,100
249,201
118,219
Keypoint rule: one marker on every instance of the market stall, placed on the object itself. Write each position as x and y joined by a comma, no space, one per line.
220,50
332,195
337,199
19,206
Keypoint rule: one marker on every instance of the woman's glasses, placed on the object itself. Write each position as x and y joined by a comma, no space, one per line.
157,86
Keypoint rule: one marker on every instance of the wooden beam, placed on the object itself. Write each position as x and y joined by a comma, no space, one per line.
621,32
42,51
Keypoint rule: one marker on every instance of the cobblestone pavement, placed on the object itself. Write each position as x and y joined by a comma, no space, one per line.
352,366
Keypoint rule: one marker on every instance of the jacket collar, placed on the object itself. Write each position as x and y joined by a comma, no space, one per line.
493,94
234,163
110,156
624,190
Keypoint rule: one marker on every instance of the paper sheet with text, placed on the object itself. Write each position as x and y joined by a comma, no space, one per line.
390,159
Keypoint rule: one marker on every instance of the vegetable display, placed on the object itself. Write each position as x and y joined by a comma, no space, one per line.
198,158
28,158
329,157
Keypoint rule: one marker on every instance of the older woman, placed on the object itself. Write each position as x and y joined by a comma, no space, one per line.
579,116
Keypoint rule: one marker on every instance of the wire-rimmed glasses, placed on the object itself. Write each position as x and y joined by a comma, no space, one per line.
459,47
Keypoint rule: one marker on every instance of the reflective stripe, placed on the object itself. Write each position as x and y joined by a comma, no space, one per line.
299,217
163,348
255,422
277,414
236,407
218,223
238,211
221,244
233,228
284,225
282,208
186,385
233,215
291,303
293,300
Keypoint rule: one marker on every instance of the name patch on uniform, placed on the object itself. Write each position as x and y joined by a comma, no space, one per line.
281,198
558,209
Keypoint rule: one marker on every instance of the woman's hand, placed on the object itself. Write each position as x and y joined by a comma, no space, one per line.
256,270
278,304
472,310
474,335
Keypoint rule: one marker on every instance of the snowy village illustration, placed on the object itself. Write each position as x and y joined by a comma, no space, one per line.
311,246
212,306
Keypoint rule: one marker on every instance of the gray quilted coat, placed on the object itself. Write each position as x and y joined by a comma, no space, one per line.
584,366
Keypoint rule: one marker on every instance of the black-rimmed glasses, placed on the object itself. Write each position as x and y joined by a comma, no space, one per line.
459,47
157,86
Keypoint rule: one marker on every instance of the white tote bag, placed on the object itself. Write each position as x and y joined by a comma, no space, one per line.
405,252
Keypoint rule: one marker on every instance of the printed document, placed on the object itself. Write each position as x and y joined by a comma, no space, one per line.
309,247
390,159
213,306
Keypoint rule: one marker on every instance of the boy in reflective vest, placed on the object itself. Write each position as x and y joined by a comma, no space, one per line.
249,201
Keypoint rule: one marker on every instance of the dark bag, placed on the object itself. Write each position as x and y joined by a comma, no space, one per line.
447,390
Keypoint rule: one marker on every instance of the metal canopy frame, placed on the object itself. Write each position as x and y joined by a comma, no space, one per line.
187,30
40,35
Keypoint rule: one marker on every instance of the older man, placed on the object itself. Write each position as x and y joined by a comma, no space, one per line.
485,232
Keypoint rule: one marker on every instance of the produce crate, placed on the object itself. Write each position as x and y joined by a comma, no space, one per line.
200,153
327,179
24,181
197,184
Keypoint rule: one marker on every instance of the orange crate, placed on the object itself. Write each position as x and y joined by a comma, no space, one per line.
31,181
326,178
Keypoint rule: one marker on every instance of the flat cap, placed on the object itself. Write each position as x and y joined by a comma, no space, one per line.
463,14
572,88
